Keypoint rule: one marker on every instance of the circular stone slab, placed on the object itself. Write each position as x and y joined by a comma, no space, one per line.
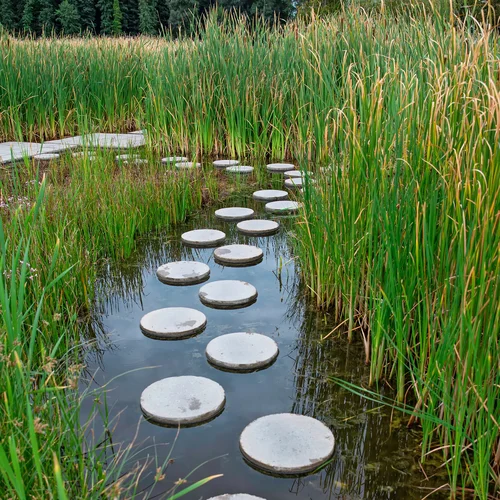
270,195
280,167
174,159
173,323
278,207
187,164
225,163
242,351
297,173
183,273
182,400
240,169
126,157
258,227
228,294
238,255
46,156
234,213
287,444
294,183
135,161
203,238
236,496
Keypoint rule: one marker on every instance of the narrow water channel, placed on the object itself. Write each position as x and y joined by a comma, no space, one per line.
376,456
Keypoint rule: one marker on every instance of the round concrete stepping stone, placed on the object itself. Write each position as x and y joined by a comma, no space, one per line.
297,174
270,195
183,273
287,444
236,496
240,169
258,227
135,161
225,163
184,165
173,323
280,167
203,238
242,351
234,213
286,206
183,400
294,183
174,159
46,157
126,157
238,255
228,294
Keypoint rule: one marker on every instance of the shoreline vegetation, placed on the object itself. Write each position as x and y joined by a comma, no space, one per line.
399,119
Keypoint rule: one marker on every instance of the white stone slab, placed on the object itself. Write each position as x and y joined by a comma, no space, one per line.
228,294
225,163
270,195
280,167
173,323
238,255
173,159
126,157
294,183
13,151
141,132
286,206
182,400
113,141
295,174
242,351
203,237
66,143
183,273
258,227
186,165
234,213
287,444
136,161
46,157
236,496
240,169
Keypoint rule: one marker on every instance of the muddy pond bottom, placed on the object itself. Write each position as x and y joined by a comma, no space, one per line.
375,455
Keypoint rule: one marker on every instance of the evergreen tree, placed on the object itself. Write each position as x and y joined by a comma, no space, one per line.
87,12
29,16
117,18
46,17
69,18
147,17
106,11
182,12
7,17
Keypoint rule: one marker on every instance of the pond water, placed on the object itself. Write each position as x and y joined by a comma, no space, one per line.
376,456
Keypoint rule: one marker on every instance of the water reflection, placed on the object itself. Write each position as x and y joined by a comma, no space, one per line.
375,456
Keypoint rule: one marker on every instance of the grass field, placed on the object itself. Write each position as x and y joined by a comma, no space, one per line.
399,235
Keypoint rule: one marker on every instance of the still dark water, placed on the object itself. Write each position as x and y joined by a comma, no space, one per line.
376,456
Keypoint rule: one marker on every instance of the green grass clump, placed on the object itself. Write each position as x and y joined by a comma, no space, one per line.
400,235
55,232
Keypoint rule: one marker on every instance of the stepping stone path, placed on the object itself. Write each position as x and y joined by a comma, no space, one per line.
185,165
297,174
242,351
258,227
174,159
46,157
183,273
113,141
225,163
203,238
126,157
280,167
279,207
228,294
239,169
270,195
236,496
287,444
173,323
238,255
234,213
183,400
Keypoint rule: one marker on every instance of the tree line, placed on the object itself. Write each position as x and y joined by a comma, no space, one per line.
127,17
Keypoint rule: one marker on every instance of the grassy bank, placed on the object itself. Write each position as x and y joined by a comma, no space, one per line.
400,236
55,231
